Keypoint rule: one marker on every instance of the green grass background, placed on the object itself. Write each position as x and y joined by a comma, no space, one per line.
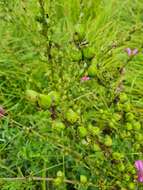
37,52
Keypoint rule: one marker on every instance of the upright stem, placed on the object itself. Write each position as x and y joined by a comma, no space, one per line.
44,23
45,33
44,176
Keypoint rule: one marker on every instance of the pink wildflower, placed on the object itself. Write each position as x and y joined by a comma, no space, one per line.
139,167
2,111
85,78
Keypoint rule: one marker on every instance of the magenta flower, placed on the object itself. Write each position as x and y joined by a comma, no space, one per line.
131,52
2,112
85,78
139,167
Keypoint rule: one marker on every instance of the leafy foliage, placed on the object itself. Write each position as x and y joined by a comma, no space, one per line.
60,132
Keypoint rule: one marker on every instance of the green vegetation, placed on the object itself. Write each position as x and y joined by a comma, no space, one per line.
71,94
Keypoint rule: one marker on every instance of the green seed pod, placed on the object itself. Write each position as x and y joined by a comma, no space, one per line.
76,37
54,52
93,130
44,101
129,126
123,134
121,167
139,137
96,147
119,107
55,97
94,60
76,55
92,70
89,52
126,177
123,97
136,125
118,183
127,107
108,141
137,146
83,179
72,116
80,32
117,156
132,186
101,111
58,181
123,188
58,126
82,131
60,174
104,116
129,116
128,134
117,116
111,124
31,95
131,168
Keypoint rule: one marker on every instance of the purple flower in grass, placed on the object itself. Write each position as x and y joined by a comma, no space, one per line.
2,111
134,51
139,167
131,52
